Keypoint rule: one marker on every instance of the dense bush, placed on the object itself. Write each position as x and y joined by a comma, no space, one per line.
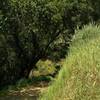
34,29
44,67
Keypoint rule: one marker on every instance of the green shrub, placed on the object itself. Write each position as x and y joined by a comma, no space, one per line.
44,68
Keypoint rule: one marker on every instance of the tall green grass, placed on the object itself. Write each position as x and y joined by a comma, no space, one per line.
79,79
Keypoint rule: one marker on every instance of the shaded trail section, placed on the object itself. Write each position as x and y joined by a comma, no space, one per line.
26,93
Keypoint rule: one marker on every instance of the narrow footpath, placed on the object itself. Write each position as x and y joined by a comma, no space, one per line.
31,92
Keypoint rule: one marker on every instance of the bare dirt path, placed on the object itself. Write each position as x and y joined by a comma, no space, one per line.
26,93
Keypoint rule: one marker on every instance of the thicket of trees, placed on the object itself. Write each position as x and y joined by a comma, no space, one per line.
33,29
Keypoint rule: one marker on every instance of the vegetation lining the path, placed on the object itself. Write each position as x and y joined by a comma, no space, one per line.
31,30
79,79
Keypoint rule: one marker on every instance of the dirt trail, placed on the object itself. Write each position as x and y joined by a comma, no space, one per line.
27,93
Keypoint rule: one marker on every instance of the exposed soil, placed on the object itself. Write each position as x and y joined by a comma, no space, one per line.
27,93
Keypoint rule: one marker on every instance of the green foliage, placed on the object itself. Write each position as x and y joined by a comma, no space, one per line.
41,79
47,67
79,78
32,29
96,8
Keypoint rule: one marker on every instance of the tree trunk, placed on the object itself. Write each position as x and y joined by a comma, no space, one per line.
28,67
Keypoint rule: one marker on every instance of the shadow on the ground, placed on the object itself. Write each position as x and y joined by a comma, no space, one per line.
19,98
26,93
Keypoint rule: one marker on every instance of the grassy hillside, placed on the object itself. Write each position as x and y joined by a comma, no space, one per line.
79,79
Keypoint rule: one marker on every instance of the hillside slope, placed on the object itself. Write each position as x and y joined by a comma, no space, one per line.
79,79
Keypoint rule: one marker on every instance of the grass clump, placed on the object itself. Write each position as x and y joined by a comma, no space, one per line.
79,79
